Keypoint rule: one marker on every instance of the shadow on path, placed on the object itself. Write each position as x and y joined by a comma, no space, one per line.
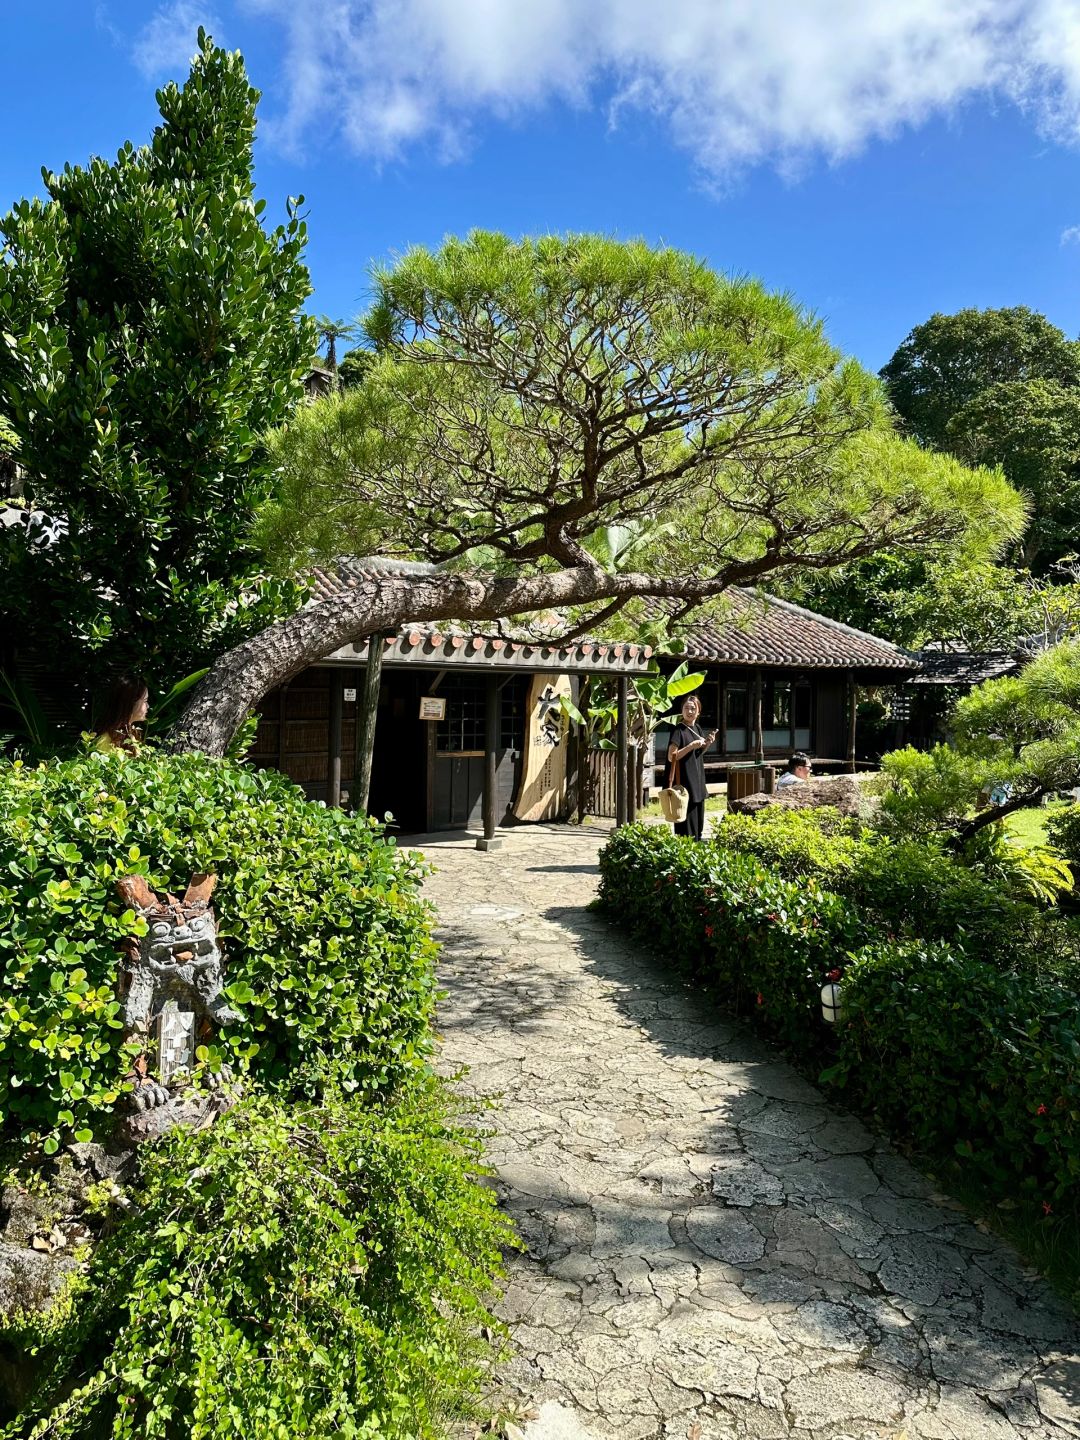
709,1241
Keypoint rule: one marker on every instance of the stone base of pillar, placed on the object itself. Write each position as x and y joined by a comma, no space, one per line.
495,843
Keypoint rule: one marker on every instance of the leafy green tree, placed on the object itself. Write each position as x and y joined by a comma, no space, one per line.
151,332
529,397
1015,740
1031,428
353,367
962,603
1000,387
330,332
949,360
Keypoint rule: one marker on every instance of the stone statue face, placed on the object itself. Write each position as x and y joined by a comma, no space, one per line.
173,975
181,934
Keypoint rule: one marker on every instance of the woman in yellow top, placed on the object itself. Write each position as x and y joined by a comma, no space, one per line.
128,702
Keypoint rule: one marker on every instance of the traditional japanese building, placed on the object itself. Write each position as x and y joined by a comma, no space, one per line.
460,715
780,678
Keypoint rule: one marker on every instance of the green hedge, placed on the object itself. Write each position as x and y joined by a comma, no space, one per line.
970,1062
908,888
329,953
762,943
292,1271
972,1059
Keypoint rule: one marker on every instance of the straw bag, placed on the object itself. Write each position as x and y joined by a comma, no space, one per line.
675,798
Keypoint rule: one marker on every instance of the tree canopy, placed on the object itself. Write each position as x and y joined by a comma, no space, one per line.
150,333
1015,740
1000,387
526,398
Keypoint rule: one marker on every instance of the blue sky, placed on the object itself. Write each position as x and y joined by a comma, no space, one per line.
878,169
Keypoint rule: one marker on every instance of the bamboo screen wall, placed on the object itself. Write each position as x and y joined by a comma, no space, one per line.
294,730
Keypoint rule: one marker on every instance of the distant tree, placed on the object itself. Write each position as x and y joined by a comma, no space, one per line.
1001,387
353,367
152,332
950,359
962,603
1031,428
529,400
330,332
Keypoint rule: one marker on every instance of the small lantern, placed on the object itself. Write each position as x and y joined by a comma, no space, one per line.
830,1002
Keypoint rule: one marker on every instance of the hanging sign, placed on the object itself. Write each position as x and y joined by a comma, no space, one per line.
432,707
350,695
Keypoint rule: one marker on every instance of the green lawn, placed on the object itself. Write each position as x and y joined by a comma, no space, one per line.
1028,827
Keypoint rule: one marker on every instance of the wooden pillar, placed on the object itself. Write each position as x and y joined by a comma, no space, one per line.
633,784
759,733
852,707
365,721
333,779
491,748
623,744
584,758
282,749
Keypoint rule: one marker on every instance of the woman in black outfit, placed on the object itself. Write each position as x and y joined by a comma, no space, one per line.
687,746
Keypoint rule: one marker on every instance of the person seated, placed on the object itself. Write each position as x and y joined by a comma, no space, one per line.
125,709
797,772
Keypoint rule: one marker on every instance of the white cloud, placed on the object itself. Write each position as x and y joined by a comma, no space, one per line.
1071,236
167,41
737,82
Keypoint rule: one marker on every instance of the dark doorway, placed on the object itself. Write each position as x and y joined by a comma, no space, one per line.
398,759
457,753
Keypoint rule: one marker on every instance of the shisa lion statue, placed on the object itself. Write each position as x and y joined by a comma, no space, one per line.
171,984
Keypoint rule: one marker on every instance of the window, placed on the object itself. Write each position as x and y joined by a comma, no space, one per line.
462,731
776,714
736,712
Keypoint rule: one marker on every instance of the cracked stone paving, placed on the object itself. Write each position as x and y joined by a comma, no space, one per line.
714,1249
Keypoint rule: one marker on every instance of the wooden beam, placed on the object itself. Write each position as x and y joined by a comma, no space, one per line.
623,740
632,783
852,708
333,777
584,762
365,721
492,698
283,695
759,733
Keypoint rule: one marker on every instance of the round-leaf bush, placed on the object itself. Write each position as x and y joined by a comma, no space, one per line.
314,1269
329,955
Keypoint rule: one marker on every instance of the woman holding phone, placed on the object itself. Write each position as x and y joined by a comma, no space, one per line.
686,747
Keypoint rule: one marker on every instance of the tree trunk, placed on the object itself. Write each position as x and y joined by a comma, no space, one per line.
978,822
241,677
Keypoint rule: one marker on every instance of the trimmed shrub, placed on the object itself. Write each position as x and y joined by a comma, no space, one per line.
980,1066
909,889
292,1271
763,944
1063,830
329,953
971,1054
794,843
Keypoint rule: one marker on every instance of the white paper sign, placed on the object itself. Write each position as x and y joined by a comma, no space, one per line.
432,707
350,694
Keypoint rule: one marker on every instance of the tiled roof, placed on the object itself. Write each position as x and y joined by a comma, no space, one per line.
951,667
759,629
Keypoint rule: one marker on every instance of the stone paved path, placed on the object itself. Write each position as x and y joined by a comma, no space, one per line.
714,1250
